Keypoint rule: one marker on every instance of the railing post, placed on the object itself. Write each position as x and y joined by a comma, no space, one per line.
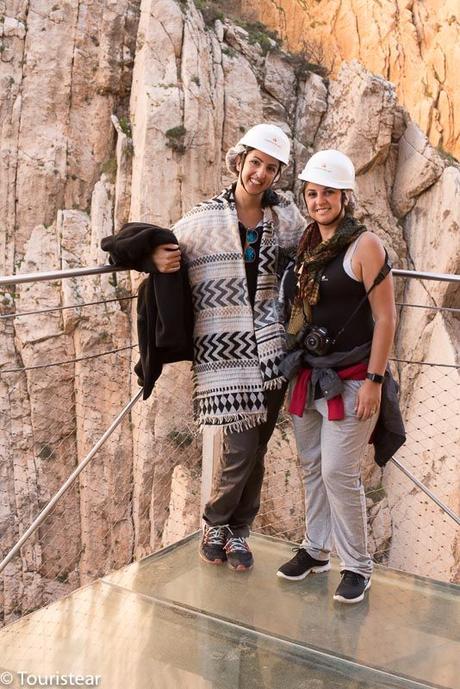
212,452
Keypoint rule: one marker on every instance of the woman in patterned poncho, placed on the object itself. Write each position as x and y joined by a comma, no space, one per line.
234,246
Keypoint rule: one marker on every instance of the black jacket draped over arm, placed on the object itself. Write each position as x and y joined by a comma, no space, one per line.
164,305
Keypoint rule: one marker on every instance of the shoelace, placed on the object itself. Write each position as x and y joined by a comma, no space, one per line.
300,552
352,577
215,535
235,544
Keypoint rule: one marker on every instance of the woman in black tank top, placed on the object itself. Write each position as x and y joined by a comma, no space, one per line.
339,296
345,325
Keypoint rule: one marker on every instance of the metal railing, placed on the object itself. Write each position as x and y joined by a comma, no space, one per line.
179,438
22,278
69,481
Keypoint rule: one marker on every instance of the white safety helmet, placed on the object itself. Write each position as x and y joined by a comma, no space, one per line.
330,168
269,139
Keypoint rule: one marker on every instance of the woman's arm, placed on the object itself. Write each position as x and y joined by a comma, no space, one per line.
367,262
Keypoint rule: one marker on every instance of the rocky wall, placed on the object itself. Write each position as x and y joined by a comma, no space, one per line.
64,70
194,86
412,43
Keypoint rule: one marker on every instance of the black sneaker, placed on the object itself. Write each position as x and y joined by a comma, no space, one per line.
212,544
352,587
301,565
239,556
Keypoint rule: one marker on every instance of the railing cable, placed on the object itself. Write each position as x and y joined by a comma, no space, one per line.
63,308
121,349
427,306
67,361
424,363
70,480
134,296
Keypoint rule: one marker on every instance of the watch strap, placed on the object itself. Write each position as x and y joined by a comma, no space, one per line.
375,377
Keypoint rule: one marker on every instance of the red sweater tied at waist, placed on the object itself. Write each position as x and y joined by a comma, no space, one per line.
335,408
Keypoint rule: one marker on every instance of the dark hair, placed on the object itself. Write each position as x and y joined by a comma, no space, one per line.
270,198
349,205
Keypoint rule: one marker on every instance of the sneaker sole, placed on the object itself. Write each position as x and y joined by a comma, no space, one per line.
240,568
350,601
211,562
314,570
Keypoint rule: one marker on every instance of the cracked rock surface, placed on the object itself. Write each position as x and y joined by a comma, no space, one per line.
412,43
126,112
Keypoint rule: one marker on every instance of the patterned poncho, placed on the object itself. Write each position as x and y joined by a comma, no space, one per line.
236,349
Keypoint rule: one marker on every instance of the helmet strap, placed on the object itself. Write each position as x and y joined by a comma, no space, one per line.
240,171
278,174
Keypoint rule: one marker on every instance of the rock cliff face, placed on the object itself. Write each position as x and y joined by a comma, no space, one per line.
412,43
77,161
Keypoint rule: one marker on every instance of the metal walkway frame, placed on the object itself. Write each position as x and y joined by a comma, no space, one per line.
211,443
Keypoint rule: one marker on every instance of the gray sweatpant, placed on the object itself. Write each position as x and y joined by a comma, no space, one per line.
330,453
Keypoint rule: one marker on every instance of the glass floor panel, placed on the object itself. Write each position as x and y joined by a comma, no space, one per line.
406,625
174,622
123,640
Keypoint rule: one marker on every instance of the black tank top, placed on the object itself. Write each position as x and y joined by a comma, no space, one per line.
339,295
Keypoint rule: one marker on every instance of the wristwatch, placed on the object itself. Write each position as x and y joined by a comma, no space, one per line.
375,377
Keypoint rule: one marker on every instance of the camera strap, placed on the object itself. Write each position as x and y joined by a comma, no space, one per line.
381,275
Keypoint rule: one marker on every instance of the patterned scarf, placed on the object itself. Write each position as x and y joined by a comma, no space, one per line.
312,257
236,349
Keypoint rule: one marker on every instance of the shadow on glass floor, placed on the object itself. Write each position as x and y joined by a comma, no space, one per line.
172,621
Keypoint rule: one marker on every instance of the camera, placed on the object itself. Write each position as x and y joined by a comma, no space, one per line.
315,339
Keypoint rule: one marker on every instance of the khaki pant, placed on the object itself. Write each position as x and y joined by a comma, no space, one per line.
330,453
235,499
